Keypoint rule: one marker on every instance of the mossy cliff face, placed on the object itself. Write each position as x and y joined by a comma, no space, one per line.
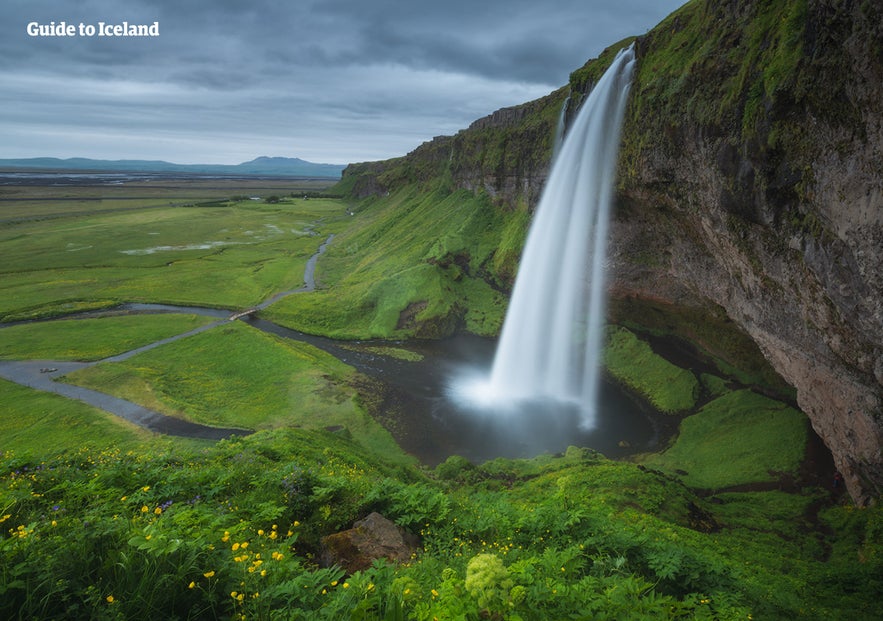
752,177
751,180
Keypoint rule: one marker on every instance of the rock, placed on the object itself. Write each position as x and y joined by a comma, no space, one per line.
371,538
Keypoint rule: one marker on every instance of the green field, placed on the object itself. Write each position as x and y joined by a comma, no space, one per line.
229,255
94,338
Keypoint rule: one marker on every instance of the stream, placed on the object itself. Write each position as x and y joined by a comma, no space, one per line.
428,424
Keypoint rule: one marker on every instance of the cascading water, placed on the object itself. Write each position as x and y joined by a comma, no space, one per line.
552,337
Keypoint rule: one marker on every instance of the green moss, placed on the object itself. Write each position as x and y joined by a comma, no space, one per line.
741,437
632,362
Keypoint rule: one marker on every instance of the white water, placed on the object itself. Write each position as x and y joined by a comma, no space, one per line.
551,341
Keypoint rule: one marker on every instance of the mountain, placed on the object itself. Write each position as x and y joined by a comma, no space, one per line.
266,166
749,195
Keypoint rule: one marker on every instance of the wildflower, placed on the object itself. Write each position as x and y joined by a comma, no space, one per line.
145,488
123,499
110,599
263,573
226,536
144,509
434,593
54,523
235,546
346,585
261,532
158,510
233,594
334,583
191,585
209,574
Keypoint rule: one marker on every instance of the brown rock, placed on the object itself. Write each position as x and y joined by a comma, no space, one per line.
371,538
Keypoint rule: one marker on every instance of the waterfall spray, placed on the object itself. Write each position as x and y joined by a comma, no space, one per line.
552,338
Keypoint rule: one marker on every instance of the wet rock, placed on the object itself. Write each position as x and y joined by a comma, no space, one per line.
371,538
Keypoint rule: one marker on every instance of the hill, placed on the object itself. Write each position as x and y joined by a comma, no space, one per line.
264,166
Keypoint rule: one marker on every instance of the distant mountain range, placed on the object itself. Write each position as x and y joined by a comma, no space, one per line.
266,166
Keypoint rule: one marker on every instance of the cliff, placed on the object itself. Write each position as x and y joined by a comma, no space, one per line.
750,181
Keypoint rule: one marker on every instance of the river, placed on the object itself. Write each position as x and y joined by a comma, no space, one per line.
429,424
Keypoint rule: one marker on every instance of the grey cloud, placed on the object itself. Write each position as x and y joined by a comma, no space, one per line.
372,78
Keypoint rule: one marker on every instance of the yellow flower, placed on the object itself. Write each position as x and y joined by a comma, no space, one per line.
123,498
346,585
110,599
144,509
261,532
191,585
434,593
235,546
209,574
145,488
54,523
233,594
158,510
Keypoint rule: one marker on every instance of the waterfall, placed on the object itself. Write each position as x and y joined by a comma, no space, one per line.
552,338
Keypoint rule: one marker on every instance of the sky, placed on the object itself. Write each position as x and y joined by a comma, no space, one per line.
330,81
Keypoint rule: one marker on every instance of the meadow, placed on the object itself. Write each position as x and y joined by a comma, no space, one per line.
100,519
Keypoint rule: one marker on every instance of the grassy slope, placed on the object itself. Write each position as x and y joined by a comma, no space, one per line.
414,263
181,533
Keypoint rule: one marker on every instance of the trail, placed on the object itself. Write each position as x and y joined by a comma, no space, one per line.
43,374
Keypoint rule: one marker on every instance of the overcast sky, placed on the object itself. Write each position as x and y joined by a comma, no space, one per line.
333,81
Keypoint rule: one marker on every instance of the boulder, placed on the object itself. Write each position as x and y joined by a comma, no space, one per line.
371,538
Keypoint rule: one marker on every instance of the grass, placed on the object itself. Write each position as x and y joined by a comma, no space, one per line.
92,339
739,438
238,376
631,361
234,529
231,256
414,265
39,423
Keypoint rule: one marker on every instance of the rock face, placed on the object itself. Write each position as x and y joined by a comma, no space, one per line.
771,205
751,180
372,538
